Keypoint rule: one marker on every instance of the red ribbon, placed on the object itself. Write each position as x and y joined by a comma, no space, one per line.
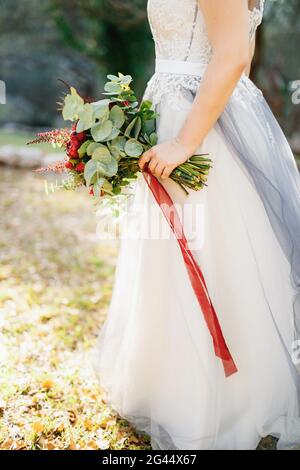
195,274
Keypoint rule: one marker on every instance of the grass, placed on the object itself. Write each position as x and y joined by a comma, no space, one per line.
55,286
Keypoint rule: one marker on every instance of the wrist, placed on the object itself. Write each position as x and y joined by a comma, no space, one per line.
188,147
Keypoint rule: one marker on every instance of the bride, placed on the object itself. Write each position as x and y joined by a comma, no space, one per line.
156,357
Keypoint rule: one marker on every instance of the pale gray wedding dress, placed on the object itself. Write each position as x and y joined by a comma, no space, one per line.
155,357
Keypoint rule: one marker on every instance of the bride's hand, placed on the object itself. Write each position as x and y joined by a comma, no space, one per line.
163,158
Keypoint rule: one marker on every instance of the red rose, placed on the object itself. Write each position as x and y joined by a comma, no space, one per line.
80,167
69,165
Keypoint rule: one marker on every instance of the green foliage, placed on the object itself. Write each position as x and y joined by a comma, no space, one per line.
73,106
133,148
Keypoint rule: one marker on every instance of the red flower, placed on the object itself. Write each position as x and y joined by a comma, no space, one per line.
125,103
91,192
75,142
80,136
80,167
69,165
72,149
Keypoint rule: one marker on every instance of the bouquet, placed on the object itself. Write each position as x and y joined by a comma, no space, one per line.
107,138
103,148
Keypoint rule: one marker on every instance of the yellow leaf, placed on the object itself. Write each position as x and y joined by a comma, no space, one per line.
47,384
93,444
60,428
88,425
72,445
38,427
50,446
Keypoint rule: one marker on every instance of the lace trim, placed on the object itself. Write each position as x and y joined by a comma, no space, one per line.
256,16
176,86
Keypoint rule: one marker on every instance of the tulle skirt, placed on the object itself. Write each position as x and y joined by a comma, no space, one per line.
155,357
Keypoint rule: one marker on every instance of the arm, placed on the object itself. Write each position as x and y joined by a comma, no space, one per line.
228,29
252,51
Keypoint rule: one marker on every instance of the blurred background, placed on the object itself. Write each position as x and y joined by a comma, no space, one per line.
56,276
82,40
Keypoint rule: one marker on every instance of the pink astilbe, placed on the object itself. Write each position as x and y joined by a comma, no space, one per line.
57,167
58,137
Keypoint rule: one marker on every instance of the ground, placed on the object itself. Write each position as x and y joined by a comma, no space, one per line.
56,278
55,285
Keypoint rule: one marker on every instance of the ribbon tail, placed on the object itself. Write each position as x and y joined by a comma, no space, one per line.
195,274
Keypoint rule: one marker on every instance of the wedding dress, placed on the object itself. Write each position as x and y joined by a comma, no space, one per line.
155,357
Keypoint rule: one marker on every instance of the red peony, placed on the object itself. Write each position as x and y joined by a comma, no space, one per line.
80,167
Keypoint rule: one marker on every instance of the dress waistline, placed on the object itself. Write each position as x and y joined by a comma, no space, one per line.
179,67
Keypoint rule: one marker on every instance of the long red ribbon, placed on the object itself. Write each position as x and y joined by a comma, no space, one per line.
195,274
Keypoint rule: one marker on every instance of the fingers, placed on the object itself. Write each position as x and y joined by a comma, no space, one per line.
166,173
159,169
146,157
152,165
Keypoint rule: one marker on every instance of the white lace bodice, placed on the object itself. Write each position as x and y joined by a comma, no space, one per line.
179,30
179,33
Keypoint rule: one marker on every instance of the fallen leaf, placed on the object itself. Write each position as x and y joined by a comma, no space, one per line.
47,384
38,427
88,425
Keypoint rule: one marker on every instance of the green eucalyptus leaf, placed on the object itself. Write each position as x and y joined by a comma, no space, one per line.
113,87
83,149
119,142
86,118
107,187
137,127
73,105
92,147
133,148
117,116
114,78
114,133
101,112
107,165
90,170
100,152
130,127
101,131
98,186
153,139
149,126
115,152
125,79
